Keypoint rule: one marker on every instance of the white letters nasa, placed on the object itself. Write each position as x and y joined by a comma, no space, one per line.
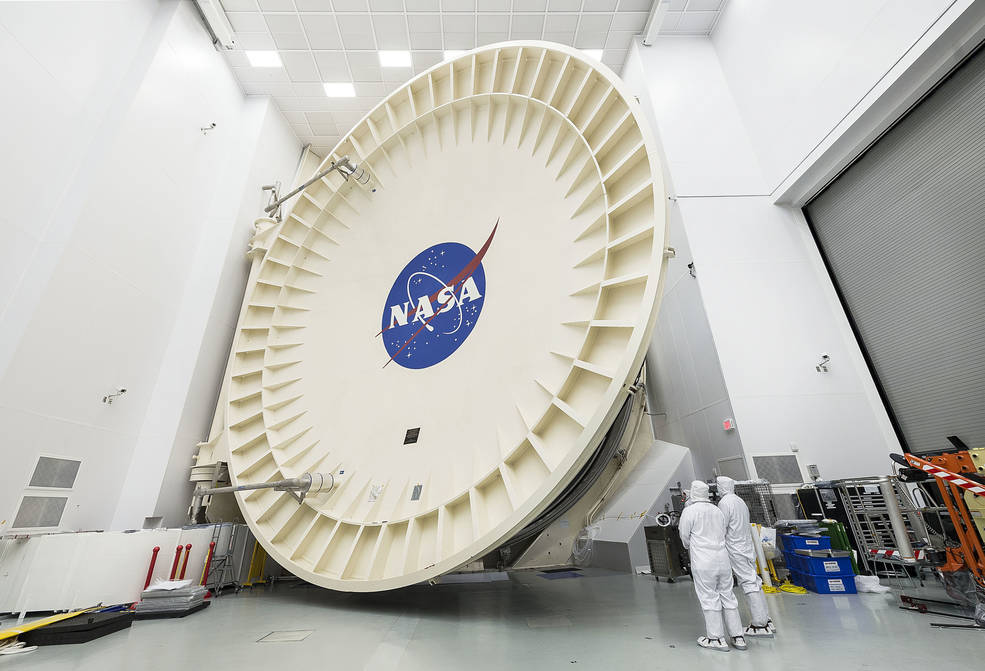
398,314
424,310
469,291
446,298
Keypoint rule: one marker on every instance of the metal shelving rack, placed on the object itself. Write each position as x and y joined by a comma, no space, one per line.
758,496
883,517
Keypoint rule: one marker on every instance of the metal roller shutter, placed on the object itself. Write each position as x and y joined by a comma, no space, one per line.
903,233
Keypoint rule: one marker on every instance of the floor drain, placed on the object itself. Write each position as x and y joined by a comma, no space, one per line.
287,636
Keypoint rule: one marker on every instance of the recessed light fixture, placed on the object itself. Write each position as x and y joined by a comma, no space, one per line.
452,54
395,59
264,59
593,53
339,89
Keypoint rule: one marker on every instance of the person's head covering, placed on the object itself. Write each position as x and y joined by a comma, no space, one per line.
726,485
699,491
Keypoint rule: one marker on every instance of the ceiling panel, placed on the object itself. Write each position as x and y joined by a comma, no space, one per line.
339,41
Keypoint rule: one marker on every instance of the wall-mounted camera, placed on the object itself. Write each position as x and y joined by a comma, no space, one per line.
822,367
109,398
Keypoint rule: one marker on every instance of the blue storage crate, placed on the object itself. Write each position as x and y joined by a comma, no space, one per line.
818,565
827,565
793,542
824,584
795,562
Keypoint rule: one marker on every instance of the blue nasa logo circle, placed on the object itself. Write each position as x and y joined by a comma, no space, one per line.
434,304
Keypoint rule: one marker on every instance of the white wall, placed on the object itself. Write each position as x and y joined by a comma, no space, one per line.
795,69
275,154
687,393
120,216
737,114
685,386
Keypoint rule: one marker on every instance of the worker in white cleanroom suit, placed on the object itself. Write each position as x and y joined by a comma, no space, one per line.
742,555
702,529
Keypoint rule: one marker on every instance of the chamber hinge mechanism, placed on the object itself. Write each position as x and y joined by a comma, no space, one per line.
274,200
670,253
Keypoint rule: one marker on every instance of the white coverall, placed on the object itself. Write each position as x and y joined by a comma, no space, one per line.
702,529
741,552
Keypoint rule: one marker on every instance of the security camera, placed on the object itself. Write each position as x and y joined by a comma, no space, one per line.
822,367
109,398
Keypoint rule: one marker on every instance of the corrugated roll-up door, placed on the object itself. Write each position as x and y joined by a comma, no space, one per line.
903,234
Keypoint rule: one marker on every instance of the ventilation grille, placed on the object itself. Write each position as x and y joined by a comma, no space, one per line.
779,469
733,467
40,511
53,472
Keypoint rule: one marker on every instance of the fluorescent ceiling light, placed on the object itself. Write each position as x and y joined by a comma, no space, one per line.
339,89
593,53
395,59
452,54
264,59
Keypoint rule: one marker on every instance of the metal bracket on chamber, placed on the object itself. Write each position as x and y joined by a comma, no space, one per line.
344,166
299,487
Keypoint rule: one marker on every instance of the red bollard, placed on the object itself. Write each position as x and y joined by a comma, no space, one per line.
208,563
174,566
188,551
150,569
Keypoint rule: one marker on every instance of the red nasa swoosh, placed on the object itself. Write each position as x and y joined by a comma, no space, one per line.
463,275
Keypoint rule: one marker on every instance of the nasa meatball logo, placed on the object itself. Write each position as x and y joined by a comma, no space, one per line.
434,304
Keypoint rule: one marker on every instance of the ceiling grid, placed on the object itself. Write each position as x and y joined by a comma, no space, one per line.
321,41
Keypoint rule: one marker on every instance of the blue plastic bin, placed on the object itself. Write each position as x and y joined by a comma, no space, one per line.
819,566
824,584
795,562
828,565
793,542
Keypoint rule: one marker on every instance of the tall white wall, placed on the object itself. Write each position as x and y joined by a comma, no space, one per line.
687,393
737,114
119,220
275,154
685,386
795,69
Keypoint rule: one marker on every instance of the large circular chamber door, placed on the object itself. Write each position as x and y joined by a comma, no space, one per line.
452,340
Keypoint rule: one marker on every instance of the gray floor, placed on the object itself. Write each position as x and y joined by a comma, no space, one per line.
604,621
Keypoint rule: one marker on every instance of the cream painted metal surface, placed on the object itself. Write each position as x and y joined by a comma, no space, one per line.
533,157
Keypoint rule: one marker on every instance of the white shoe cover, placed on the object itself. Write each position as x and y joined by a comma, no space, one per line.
760,632
739,643
713,643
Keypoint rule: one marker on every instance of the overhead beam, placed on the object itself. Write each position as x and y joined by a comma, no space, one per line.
658,13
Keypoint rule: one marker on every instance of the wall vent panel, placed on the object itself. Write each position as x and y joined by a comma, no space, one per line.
40,512
55,472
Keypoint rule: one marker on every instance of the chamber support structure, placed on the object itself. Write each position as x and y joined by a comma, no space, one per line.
306,483
344,166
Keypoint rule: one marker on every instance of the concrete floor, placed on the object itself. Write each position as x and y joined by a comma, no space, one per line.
603,620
